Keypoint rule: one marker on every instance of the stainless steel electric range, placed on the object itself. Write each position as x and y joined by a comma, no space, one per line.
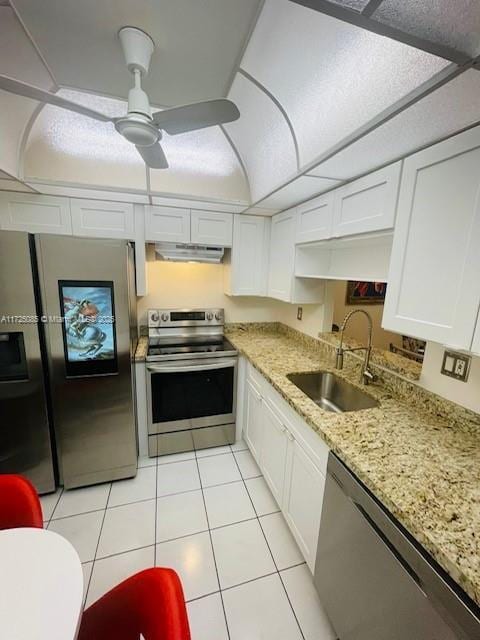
191,381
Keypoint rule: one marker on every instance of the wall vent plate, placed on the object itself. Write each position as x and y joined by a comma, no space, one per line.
456,365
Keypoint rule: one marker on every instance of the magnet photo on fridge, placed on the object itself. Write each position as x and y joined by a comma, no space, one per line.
88,326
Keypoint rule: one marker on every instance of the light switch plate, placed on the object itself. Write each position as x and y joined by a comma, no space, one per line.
456,365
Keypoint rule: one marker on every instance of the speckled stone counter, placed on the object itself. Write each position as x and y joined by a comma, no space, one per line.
142,348
419,454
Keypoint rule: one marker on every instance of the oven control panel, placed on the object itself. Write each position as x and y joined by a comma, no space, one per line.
185,317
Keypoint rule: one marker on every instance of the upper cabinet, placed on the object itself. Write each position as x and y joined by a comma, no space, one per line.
98,219
35,213
367,204
246,269
315,219
211,228
434,285
167,224
282,283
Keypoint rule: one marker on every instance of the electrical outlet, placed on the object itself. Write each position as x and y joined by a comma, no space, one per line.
299,313
456,365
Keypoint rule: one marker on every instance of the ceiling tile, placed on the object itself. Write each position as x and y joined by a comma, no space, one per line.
303,188
445,111
453,24
331,77
198,43
262,138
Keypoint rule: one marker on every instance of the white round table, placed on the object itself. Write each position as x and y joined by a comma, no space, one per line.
41,586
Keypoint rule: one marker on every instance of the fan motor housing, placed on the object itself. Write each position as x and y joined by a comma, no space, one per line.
137,47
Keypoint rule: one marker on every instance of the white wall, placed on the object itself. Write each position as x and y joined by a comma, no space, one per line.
173,285
466,394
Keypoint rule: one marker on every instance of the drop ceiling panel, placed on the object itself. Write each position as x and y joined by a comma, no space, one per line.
331,77
262,137
453,24
301,189
198,43
443,112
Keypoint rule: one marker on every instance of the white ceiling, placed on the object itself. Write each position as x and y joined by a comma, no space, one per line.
199,43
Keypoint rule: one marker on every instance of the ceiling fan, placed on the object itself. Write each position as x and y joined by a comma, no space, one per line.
140,126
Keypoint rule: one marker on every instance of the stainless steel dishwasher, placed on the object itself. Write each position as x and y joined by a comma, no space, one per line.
374,580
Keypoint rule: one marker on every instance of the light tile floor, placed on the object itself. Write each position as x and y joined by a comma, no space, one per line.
213,519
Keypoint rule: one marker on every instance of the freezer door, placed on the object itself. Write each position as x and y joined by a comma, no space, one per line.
84,282
25,445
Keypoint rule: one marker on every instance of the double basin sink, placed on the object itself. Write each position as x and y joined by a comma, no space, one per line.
332,393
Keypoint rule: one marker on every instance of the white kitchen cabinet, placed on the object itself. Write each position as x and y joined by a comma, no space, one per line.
282,283
211,228
246,268
433,288
274,450
167,224
35,213
315,219
476,340
102,219
253,420
367,204
302,506
291,456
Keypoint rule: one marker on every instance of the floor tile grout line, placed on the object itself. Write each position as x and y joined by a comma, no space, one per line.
271,553
241,584
56,505
121,553
213,550
96,548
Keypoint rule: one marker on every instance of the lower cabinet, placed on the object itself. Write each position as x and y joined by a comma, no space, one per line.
274,451
291,457
302,505
253,419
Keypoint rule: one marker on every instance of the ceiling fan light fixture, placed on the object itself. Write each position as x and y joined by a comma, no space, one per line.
138,130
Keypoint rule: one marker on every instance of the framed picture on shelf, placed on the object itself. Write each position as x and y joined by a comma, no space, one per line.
359,292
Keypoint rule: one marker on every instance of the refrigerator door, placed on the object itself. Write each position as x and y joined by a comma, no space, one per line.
25,445
86,281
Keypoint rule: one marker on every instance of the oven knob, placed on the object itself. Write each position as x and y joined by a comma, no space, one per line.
209,315
218,316
154,316
164,317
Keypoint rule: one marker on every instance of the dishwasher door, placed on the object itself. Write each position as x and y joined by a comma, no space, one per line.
372,581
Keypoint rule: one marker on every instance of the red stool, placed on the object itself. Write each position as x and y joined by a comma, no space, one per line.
19,503
150,603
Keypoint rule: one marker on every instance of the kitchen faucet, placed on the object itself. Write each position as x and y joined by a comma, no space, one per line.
366,375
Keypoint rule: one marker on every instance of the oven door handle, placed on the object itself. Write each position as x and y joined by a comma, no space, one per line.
164,368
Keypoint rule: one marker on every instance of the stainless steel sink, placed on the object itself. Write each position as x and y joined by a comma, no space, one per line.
332,393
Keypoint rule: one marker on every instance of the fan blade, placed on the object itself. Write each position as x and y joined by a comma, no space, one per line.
196,116
35,93
153,156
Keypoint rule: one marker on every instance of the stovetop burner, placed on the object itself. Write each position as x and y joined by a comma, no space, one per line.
185,351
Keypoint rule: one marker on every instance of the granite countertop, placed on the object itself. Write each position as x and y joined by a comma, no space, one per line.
142,349
419,454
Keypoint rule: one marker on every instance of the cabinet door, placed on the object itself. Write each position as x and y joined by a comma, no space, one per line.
253,421
98,219
433,288
314,219
476,339
167,224
282,255
367,204
212,228
304,488
274,451
35,213
249,261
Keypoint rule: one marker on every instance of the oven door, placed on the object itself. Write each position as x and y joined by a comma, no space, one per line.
191,394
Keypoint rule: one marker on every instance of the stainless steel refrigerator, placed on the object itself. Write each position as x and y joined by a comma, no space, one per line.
84,294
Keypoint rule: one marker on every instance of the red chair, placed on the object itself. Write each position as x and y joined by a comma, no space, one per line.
150,603
19,503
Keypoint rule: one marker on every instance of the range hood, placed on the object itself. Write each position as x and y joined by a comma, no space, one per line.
188,252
